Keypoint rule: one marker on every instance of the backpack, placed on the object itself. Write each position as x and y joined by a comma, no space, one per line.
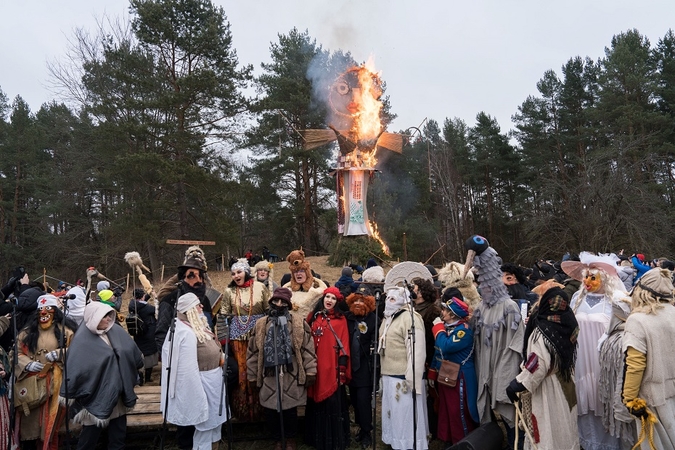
135,325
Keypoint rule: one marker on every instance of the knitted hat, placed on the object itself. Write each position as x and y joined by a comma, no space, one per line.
105,294
457,307
262,265
371,263
46,300
102,285
187,302
194,259
283,294
347,272
640,256
335,291
656,281
241,264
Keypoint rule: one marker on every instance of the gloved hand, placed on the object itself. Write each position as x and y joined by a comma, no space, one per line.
53,355
637,407
310,380
17,275
513,389
639,412
34,366
437,320
343,375
118,291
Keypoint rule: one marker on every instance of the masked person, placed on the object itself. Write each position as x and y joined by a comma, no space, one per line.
594,306
361,323
648,385
281,350
40,358
245,301
547,373
396,349
192,277
103,363
327,413
197,378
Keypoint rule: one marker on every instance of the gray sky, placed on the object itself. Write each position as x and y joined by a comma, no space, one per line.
439,58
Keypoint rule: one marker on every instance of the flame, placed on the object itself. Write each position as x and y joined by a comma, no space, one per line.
367,123
372,226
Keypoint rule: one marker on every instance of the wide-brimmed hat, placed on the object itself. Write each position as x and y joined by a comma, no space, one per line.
575,269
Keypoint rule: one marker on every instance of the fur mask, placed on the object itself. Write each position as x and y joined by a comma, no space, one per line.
296,262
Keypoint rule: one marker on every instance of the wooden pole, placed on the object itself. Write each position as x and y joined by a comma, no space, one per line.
405,248
434,254
161,278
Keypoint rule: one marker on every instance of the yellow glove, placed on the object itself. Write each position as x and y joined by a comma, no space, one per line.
635,368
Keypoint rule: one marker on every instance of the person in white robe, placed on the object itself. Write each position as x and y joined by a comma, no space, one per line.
400,372
601,290
195,359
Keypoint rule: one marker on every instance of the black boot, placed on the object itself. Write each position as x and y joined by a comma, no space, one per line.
141,381
148,375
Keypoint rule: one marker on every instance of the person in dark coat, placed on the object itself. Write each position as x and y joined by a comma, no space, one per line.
361,325
26,294
346,283
146,341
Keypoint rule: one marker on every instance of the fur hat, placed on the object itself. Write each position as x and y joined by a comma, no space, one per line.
263,265
296,263
186,302
374,274
450,275
656,281
283,294
194,259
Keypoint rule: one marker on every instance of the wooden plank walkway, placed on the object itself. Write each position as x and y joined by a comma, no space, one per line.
146,413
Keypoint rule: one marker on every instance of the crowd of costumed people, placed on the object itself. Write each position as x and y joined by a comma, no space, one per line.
561,355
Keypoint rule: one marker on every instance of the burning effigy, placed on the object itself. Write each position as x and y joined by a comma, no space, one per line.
355,122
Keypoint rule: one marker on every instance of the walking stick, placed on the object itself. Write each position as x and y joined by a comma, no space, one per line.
277,376
172,331
411,336
224,394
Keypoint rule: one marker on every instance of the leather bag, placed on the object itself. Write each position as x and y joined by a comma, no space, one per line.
448,373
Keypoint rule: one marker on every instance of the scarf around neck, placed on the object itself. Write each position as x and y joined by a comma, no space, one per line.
556,321
278,348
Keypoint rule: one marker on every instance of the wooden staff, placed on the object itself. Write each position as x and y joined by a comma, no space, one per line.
434,254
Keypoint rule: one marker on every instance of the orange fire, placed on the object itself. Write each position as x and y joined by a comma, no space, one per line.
372,226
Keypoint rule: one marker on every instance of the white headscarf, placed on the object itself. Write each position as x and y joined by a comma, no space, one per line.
397,298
